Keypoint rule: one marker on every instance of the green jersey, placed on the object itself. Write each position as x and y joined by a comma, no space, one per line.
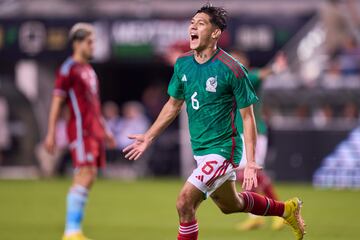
213,92
254,77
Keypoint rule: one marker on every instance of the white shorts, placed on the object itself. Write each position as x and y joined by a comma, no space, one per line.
211,172
260,151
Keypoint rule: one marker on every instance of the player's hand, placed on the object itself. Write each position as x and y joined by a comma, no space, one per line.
135,150
110,140
250,176
49,144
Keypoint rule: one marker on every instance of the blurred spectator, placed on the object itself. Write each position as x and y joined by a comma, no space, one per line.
112,117
349,56
350,112
332,76
302,112
154,98
323,116
50,163
4,128
133,121
335,24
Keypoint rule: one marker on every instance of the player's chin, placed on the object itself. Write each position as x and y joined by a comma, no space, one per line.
194,45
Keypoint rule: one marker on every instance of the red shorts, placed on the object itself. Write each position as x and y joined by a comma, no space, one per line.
88,152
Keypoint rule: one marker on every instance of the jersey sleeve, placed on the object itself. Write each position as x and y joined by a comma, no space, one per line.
176,87
62,85
243,90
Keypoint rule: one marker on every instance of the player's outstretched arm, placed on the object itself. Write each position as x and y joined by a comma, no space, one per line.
251,168
279,65
55,109
142,141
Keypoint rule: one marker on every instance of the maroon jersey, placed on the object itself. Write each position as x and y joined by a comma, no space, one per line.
78,83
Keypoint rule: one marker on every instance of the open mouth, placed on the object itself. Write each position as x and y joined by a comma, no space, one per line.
194,36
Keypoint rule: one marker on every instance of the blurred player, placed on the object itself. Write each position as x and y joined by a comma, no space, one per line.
265,186
77,85
214,86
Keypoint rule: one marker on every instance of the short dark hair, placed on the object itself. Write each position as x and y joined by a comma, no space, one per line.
218,15
80,31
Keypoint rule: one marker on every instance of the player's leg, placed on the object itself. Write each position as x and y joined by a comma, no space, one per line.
187,202
198,187
252,221
76,200
265,187
230,201
84,177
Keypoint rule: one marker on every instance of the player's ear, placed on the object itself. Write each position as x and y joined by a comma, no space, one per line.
216,33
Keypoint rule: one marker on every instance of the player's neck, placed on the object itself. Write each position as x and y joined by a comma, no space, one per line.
78,58
202,56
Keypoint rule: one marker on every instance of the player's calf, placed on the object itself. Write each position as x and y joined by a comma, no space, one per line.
76,200
260,205
228,207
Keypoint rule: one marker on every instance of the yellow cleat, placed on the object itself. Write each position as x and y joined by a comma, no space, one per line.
75,236
277,223
293,218
251,223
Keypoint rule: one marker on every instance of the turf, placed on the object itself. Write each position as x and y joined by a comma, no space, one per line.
145,210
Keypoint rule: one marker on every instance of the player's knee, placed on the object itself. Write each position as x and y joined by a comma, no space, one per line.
226,211
183,205
230,209
86,177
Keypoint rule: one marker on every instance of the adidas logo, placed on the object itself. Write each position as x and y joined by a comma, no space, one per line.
200,177
184,79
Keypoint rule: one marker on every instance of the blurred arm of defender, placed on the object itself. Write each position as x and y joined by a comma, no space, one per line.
142,141
250,133
55,109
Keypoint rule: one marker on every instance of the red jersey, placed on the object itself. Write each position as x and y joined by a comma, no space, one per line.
78,83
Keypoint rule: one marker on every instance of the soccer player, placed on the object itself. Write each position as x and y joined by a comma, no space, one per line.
77,85
265,186
214,85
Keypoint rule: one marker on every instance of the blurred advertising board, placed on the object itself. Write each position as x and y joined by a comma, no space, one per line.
142,39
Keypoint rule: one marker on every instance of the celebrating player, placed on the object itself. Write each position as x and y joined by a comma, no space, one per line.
77,85
214,86
265,186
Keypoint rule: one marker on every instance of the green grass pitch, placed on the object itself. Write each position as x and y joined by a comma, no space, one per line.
145,210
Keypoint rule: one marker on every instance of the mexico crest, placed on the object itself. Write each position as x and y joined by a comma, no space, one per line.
211,84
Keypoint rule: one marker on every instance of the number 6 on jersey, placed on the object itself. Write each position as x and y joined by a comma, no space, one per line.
194,102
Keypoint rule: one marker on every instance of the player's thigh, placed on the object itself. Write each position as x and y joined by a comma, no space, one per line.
211,172
86,154
226,198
